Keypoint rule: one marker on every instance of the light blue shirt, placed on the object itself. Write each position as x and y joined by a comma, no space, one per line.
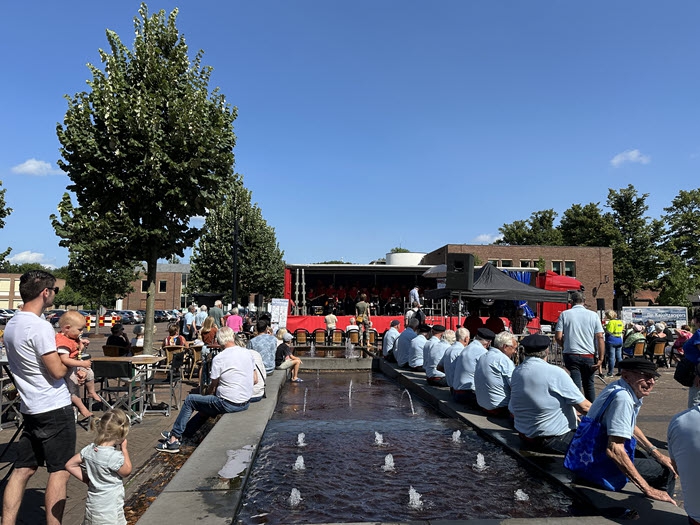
413,296
448,361
266,346
492,379
431,360
200,318
189,319
542,398
403,346
620,417
415,358
465,366
388,340
579,327
684,448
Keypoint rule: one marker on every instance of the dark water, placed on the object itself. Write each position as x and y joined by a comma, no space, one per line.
344,480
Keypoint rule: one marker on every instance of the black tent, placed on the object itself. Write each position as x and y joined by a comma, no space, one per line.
492,283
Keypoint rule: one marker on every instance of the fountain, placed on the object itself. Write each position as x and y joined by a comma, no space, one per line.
294,498
312,349
457,436
344,458
299,464
521,495
306,393
480,464
414,499
388,463
350,394
410,400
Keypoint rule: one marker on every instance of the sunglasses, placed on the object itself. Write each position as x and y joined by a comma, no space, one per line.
646,376
55,289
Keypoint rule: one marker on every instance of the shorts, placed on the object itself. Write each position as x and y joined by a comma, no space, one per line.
287,363
47,439
72,379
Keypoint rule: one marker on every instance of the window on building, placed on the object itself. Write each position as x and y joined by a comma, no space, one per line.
162,286
493,261
557,267
570,268
144,286
506,263
5,286
525,263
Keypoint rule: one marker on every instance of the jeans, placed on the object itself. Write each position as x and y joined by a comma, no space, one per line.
207,405
614,354
581,369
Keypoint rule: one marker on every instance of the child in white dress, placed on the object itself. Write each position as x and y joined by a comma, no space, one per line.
102,465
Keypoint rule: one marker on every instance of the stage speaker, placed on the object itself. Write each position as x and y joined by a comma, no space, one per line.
618,303
258,300
460,271
600,303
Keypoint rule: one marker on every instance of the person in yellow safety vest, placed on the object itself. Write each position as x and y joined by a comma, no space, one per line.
613,340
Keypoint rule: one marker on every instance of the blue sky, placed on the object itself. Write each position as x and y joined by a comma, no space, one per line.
366,125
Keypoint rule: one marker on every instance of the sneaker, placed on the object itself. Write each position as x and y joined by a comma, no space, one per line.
297,380
171,448
166,434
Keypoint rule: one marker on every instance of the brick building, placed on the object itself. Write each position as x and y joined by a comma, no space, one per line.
9,289
171,284
593,266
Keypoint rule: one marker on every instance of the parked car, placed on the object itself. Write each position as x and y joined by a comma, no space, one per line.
161,316
52,316
135,315
5,315
122,317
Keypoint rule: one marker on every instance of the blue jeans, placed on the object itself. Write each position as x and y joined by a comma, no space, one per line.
207,405
614,354
581,369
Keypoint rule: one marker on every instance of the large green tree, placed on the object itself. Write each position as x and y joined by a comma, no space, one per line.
147,148
587,225
538,230
260,266
636,253
4,212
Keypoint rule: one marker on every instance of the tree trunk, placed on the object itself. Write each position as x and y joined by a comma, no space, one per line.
151,267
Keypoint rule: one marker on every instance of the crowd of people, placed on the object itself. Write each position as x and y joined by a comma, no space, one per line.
49,366
544,402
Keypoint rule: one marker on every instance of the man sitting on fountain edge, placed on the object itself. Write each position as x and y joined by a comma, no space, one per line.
233,375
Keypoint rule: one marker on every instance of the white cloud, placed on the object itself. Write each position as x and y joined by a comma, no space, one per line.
35,167
29,257
630,155
487,238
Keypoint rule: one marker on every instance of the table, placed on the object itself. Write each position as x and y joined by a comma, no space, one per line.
140,365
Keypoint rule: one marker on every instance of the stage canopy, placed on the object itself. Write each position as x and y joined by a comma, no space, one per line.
492,283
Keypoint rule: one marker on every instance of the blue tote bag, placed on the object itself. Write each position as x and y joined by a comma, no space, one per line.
587,457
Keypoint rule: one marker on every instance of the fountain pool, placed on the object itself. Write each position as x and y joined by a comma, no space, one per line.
345,478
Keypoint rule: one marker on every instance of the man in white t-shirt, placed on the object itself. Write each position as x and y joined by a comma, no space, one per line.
233,375
48,437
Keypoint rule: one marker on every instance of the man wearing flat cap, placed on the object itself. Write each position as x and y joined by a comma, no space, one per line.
389,340
415,356
493,373
465,366
654,475
402,347
432,354
542,400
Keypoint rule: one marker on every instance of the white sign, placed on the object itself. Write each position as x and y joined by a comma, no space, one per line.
278,309
673,316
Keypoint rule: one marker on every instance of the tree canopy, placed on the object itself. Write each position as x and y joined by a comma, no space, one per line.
260,266
539,229
147,148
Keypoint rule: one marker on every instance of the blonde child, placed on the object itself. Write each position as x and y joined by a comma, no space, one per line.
102,465
69,345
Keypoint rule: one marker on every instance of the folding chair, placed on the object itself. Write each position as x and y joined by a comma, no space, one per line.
301,336
196,359
353,336
172,378
320,336
659,354
338,336
126,390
